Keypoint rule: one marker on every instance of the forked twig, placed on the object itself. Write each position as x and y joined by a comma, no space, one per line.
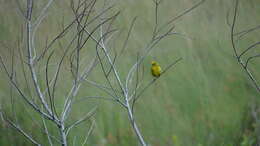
239,56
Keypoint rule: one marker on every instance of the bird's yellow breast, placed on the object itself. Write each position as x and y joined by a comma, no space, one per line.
156,70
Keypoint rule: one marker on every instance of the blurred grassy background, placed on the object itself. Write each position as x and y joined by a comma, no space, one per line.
202,101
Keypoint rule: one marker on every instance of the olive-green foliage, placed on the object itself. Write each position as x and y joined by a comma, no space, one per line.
202,101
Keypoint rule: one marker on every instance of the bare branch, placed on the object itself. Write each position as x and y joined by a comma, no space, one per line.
245,32
238,57
30,57
84,118
128,35
157,3
20,130
89,132
51,99
27,100
47,132
232,29
250,47
42,14
60,35
38,21
95,97
20,10
250,58
181,15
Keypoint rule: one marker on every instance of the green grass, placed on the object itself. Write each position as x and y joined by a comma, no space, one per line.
203,100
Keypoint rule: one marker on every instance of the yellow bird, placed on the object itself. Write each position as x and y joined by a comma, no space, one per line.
155,69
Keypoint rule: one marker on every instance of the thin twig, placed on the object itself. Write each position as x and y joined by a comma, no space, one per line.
89,132
250,58
47,132
84,118
20,130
